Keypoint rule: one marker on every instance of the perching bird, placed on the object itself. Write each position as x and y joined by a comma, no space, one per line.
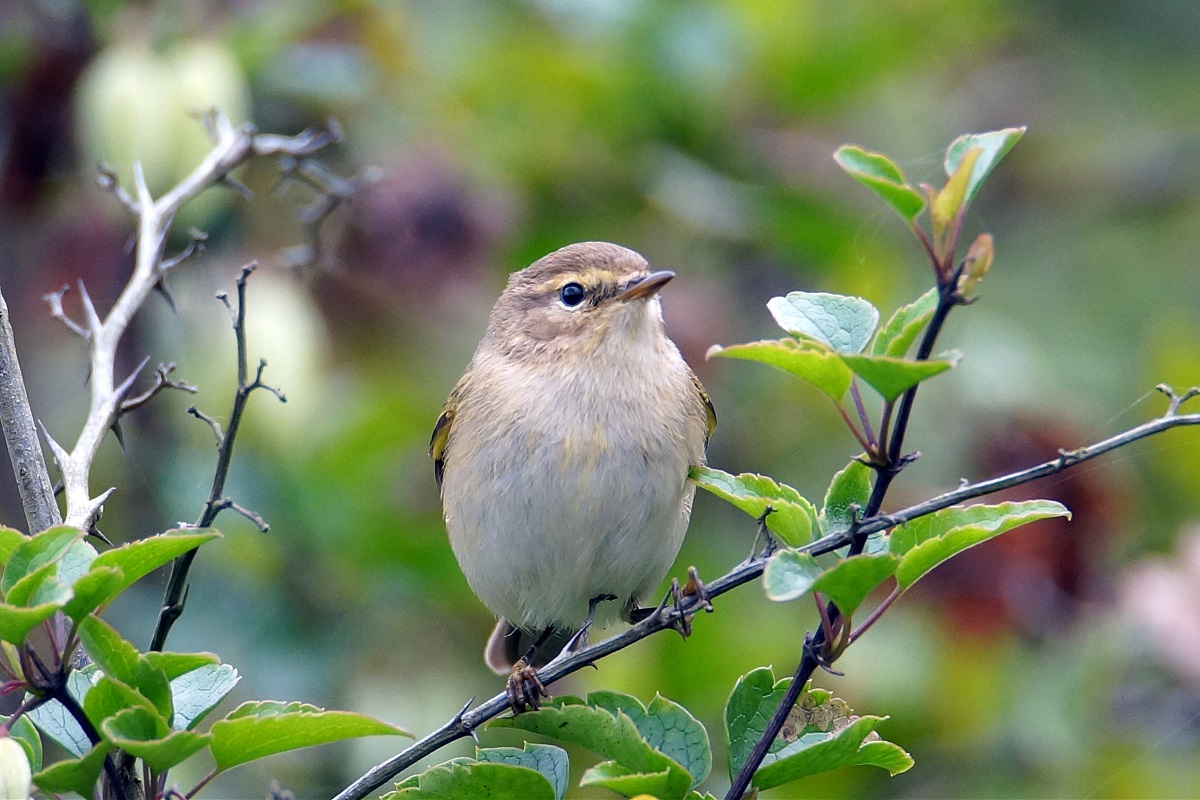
562,454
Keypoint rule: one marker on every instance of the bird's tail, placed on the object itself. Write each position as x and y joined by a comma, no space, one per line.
508,643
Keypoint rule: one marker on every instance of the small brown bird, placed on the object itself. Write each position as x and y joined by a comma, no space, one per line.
562,454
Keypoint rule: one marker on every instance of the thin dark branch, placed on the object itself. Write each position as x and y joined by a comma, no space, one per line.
174,596
464,723
162,380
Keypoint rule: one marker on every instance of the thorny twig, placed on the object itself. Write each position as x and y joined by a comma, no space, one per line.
465,722
233,146
174,597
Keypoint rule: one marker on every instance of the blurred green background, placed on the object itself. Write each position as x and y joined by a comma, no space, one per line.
1063,660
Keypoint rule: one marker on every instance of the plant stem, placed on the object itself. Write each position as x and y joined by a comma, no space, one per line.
21,436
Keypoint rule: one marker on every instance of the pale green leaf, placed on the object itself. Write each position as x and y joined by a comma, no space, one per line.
843,748
841,322
993,146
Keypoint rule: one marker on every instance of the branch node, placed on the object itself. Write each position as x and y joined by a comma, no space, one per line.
55,299
106,179
218,434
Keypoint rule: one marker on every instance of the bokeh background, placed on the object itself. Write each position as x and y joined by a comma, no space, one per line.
1063,660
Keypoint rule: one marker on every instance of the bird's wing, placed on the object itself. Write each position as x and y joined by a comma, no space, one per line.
441,434
710,413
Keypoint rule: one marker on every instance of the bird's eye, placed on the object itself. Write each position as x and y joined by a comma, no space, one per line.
571,295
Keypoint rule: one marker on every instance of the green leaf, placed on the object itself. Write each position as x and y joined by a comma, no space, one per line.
753,700
465,780
892,377
10,540
262,728
623,781
76,561
808,361
993,146
138,559
927,541
26,734
56,722
175,664
848,582
790,574
613,736
666,726
881,175
121,660
16,622
93,589
37,551
78,775
110,697
40,586
838,321
196,693
897,336
846,497
950,201
793,519
137,732
547,759
845,748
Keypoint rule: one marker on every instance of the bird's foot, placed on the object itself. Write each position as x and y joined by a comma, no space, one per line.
524,688
675,599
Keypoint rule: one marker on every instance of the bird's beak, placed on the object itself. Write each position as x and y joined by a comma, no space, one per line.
646,286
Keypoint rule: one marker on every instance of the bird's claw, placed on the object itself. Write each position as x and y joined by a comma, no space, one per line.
524,688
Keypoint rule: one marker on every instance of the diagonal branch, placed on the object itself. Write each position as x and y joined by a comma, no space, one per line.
465,722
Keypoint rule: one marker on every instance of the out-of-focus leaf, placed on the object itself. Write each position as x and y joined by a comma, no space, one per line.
881,175
950,200
993,146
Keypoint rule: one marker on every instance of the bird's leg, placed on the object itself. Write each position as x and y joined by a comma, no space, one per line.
524,687
580,639
675,597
